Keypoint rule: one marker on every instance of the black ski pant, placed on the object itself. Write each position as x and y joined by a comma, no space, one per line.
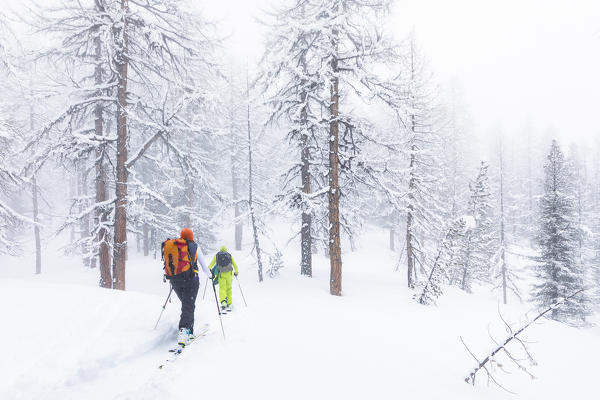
187,290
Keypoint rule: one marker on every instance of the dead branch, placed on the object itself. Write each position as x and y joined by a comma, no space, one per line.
513,336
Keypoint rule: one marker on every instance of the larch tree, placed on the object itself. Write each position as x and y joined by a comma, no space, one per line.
10,136
455,137
251,200
505,276
236,115
137,66
329,51
422,144
9,183
293,87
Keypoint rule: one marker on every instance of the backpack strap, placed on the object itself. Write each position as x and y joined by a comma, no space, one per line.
193,262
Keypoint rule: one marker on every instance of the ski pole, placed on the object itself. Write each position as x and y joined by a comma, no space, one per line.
218,310
163,307
240,286
205,285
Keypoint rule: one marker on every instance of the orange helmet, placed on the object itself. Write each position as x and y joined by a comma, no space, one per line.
187,234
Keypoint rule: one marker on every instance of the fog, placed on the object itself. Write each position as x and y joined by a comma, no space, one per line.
517,64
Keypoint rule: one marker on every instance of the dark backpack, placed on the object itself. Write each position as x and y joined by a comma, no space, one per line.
223,259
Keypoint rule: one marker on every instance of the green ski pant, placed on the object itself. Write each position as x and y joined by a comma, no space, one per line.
225,280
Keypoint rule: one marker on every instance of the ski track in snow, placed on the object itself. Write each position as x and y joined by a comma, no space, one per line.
72,340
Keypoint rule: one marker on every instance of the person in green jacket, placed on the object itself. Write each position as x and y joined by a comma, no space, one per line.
226,268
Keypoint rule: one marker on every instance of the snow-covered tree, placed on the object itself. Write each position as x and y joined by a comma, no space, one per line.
236,116
143,68
9,183
505,277
559,272
479,248
324,55
292,80
10,136
450,245
422,144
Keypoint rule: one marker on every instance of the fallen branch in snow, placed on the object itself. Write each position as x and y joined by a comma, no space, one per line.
432,288
513,336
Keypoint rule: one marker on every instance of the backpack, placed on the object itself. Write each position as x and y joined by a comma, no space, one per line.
223,259
215,272
176,257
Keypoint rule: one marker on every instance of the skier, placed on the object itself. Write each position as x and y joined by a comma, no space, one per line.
186,284
225,266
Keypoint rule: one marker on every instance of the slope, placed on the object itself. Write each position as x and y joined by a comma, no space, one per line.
71,340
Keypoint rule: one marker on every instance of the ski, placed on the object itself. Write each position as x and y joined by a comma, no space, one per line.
202,331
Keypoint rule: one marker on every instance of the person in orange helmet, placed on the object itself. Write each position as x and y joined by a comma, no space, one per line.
186,287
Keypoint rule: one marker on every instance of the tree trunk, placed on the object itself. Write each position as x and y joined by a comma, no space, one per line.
120,246
145,240
464,285
138,242
409,247
153,242
410,251
335,252
502,241
305,230
239,225
85,221
72,195
101,187
36,228
189,202
250,194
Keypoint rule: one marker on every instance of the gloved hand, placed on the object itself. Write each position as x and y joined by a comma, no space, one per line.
235,273
195,272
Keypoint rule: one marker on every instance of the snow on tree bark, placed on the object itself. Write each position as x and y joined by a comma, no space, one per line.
250,190
306,229
120,235
36,220
335,251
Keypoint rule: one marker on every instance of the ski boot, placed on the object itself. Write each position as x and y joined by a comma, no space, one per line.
184,337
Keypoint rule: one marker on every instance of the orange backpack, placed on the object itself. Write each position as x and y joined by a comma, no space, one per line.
176,256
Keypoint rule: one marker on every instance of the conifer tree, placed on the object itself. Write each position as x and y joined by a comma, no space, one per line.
559,273
480,246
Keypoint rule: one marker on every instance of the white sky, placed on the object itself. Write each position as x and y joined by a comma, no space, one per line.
514,59
537,59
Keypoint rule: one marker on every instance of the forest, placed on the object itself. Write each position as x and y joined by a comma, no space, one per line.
124,121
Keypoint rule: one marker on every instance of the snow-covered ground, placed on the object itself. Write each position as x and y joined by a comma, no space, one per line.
64,338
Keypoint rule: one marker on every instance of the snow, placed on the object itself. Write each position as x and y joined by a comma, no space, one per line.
64,338
470,222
